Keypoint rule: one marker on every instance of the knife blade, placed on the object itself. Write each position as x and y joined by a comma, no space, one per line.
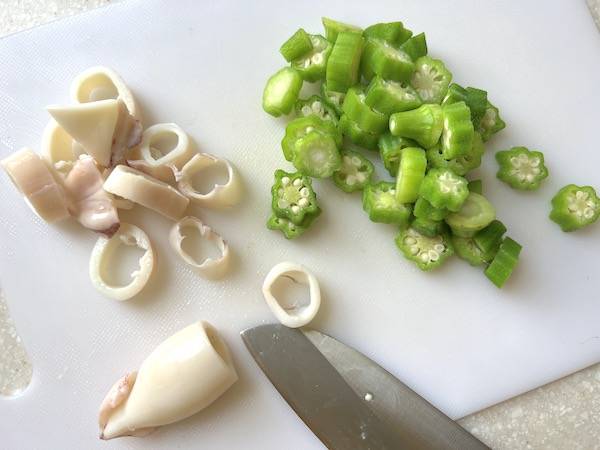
346,399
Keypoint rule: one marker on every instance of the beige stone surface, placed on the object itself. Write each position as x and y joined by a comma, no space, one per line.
564,415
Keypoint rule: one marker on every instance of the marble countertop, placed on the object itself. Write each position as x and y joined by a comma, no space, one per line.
561,415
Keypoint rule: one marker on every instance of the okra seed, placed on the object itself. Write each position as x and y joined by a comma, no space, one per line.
410,241
295,209
433,255
306,110
303,202
297,182
356,161
350,180
304,192
439,248
285,181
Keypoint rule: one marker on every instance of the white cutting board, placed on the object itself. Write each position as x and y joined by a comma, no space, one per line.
451,335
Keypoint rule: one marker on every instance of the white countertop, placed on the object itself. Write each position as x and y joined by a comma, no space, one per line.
562,415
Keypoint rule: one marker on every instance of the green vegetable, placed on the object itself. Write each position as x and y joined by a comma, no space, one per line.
423,124
457,132
504,262
490,123
415,47
460,165
431,79
390,150
356,134
363,115
428,227
316,155
389,97
393,33
475,186
312,65
521,168
574,207
355,172
475,214
489,239
381,58
475,99
333,99
381,203
293,197
333,28
425,210
426,252
296,46
301,126
444,189
314,105
411,172
344,61
466,249
281,92
289,229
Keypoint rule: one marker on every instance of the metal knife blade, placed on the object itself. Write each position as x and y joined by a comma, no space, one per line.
346,399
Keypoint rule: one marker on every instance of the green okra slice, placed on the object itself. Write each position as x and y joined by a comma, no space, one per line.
355,172
381,203
423,124
465,248
521,168
333,28
476,186
488,240
475,214
281,91
411,172
425,251
381,58
431,79
574,207
357,135
428,227
298,45
460,165
390,151
363,115
344,61
475,99
425,210
415,47
312,66
504,263
289,229
490,123
316,155
390,97
444,189
314,105
457,131
293,197
333,99
301,126
393,33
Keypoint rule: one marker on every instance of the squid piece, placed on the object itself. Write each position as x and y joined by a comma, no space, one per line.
140,188
59,149
100,261
211,268
296,316
102,83
89,203
148,159
222,195
34,179
182,376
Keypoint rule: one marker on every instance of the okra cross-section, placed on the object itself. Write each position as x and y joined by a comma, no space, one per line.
465,248
444,189
423,124
521,168
475,214
333,99
382,205
300,127
457,131
504,263
389,97
461,165
431,79
390,151
281,91
344,61
293,197
316,155
315,106
491,122
381,58
411,171
299,44
313,64
426,252
362,114
289,229
355,172
574,207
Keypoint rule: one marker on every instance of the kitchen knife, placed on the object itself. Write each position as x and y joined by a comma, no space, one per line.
347,400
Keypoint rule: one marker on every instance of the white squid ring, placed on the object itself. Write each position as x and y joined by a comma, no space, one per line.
59,149
209,267
222,195
162,167
101,83
127,234
297,317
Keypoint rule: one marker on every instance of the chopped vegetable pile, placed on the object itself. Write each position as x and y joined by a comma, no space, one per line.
380,90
